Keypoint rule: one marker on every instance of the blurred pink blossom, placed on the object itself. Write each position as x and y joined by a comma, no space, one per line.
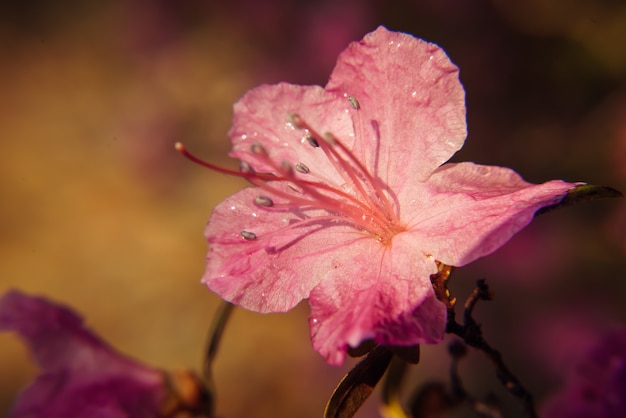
358,206
81,376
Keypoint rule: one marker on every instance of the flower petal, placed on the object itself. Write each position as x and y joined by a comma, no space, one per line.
465,211
80,374
262,116
279,267
380,294
412,108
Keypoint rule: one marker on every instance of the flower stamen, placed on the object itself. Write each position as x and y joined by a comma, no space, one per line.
247,235
365,207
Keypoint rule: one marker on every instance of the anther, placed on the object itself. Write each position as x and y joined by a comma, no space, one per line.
302,168
330,138
354,102
244,167
312,141
258,149
296,119
287,167
263,201
247,235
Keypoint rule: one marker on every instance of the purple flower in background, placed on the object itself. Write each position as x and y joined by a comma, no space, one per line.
80,375
597,388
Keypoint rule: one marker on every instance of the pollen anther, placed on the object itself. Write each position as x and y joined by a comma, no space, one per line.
296,119
258,149
302,168
312,141
244,167
263,201
247,235
354,102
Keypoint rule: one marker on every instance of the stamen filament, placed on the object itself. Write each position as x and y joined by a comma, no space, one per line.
323,202
366,206
342,167
327,203
244,174
379,192
259,180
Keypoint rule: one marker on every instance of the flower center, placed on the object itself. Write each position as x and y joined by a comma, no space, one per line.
362,201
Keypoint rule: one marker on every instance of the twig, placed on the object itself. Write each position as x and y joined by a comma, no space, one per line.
214,337
471,334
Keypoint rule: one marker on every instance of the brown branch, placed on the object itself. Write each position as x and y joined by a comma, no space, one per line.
471,334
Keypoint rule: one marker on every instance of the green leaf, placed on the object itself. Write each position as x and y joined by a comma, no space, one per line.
358,384
582,193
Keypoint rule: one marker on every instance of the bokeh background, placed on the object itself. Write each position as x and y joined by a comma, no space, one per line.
98,210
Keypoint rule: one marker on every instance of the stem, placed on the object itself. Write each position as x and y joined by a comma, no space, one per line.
215,334
471,334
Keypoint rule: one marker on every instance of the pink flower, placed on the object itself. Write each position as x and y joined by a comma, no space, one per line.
352,205
80,376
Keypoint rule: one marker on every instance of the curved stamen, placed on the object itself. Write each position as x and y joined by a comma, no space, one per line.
259,180
330,205
339,163
246,174
326,203
366,206
346,168
371,180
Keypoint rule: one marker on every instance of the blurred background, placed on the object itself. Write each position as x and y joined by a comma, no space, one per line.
99,212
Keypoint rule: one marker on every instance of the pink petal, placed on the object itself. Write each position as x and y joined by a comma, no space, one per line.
412,104
357,288
262,116
381,294
80,374
465,211
280,267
